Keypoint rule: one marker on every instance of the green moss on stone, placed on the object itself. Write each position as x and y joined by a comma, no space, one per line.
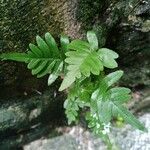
21,21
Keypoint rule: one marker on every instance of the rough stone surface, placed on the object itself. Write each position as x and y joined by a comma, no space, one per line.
132,41
79,139
16,114
128,138
21,21
22,117
124,27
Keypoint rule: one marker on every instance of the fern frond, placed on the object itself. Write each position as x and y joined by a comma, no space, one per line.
129,117
71,110
108,102
43,58
85,59
64,41
20,57
82,61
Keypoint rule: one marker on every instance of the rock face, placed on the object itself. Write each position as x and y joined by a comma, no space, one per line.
123,26
21,21
23,120
133,43
78,139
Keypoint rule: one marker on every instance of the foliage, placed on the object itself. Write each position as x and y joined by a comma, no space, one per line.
82,64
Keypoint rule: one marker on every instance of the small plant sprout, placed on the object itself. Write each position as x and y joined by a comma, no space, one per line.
82,65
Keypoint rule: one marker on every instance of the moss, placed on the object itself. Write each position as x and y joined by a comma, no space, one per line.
146,26
21,21
88,11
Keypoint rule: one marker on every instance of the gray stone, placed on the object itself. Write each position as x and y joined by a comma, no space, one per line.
18,117
128,138
77,138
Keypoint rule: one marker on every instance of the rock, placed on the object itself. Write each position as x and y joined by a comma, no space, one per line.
124,27
22,21
54,144
16,140
132,41
78,138
120,25
20,117
128,138
140,101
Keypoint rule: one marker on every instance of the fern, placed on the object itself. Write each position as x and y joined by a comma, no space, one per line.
85,58
43,58
109,101
82,64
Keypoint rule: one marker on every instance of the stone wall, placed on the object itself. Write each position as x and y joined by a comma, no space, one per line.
120,25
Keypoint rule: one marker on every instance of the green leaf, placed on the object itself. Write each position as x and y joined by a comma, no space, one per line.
80,63
33,63
120,94
35,50
108,57
47,69
109,103
104,111
20,57
110,79
64,41
79,45
39,68
71,110
129,117
69,79
107,109
92,39
73,102
56,72
43,47
52,78
52,45
113,77
109,62
106,51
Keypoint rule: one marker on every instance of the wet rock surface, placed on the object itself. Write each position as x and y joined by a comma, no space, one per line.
78,138
26,119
